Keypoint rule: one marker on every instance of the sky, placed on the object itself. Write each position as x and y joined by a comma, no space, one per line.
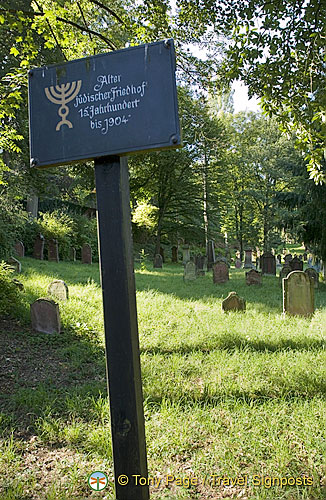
240,98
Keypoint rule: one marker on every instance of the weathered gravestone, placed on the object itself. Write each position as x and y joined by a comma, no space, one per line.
233,303
286,269
248,259
200,262
253,277
312,273
220,272
53,251
45,316
238,264
279,259
210,255
158,261
296,264
39,247
258,266
15,264
189,272
185,254
287,258
19,249
86,254
174,254
58,289
305,257
268,264
298,294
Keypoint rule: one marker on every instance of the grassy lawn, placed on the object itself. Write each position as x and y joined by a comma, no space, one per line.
239,396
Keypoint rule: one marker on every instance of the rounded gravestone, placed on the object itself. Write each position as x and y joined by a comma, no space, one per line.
59,290
45,316
298,294
233,302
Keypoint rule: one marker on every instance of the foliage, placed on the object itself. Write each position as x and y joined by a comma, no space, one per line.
12,220
10,295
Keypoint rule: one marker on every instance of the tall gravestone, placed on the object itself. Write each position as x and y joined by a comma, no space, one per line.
19,249
248,259
200,262
298,294
73,254
220,272
210,255
305,257
158,261
53,251
312,273
86,254
268,263
174,254
45,316
279,259
189,272
185,254
38,252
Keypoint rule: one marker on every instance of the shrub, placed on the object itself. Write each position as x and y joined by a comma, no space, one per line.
10,295
12,221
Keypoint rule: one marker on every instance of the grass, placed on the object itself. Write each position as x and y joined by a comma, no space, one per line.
238,395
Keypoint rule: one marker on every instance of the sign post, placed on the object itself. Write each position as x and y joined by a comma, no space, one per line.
102,108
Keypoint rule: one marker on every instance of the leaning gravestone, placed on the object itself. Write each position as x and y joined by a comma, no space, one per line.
45,316
58,289
312,273
53,251
185,254
233,303
86,254
174,254
220,272
253,277
189,272
298,294
19,249
268,264
15,264
39,247
210,255
158,261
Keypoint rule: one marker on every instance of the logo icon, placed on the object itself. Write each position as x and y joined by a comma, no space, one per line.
62,94
97,481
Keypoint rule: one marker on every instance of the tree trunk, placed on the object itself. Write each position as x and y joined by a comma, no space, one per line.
205,203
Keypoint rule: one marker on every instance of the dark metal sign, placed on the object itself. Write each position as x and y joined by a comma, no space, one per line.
110,104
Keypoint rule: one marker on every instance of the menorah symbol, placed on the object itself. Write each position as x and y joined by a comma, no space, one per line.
62,94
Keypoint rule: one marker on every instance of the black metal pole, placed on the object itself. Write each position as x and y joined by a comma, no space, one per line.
121,330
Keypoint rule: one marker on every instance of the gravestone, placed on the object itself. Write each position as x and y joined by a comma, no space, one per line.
86,254
15,264
185,254
296,264
19,249
253,277
287,258
248,259
300,257
309,261
298,294
45,316
174,254
39,247
220,272
59,290
305,257
73,254
162,253
238,264
233,302
18,284
158,261
210,255
268,264
279,259
258,266
312,273
200,262
189,272
53,251
286,269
